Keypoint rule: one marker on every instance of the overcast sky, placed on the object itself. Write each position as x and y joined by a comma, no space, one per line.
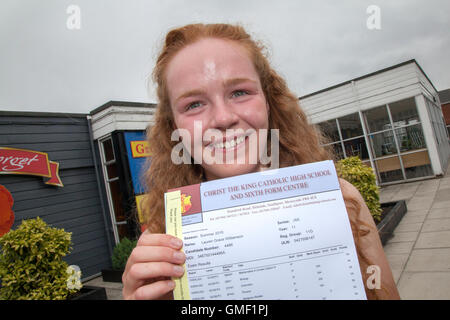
45,66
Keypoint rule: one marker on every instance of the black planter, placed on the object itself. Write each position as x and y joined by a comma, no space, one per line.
90,293
391,219
110,275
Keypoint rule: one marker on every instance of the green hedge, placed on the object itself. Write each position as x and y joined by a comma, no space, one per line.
363,178
121,253
31,265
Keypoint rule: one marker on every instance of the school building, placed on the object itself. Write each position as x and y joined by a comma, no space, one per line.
391,119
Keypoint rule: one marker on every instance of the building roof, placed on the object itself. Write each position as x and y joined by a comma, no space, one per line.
444,96
77,115
369,75
122,104
41,114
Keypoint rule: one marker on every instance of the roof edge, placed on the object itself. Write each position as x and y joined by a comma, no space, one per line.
369,75
122,104
42,114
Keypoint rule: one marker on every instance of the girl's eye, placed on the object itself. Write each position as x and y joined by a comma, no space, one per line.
192,105
239,93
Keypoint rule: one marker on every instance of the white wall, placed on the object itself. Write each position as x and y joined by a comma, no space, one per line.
121,118
428,133
382,88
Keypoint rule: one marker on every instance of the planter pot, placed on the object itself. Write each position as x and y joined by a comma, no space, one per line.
90,293
394,213
110,275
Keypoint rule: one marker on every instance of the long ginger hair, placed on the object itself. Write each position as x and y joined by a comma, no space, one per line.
299,141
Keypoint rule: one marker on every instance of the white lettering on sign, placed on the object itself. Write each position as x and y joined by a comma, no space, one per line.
15,163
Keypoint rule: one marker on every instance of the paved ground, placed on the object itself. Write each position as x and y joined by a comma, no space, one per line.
419,251
113,289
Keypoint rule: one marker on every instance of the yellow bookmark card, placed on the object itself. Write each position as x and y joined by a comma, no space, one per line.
173,227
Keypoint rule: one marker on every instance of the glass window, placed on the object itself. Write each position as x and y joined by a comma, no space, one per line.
330,130
410,138
377,119
108,149
350,126
404,112
337,150
417,164
383,143
389,169
356,147
112,170
116,196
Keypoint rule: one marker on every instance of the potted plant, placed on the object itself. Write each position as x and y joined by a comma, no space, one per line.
119,260
31,265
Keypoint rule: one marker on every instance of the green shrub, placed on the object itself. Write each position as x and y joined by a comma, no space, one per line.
363,178
121,253
31,265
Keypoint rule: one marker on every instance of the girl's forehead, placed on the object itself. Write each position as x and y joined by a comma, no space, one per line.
209,59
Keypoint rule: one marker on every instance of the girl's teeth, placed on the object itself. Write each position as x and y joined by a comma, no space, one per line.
229,144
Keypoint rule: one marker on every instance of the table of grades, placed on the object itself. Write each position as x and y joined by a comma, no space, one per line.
262,236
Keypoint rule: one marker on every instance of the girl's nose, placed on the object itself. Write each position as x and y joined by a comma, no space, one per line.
223,115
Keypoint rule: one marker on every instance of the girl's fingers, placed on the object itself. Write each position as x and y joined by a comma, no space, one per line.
159,239
151,240
154,290
146,271
143,254
140,274
155,256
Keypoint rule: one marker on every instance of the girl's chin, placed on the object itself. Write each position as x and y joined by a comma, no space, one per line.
220,171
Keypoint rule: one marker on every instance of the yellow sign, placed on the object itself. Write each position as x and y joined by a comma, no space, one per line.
139,207
140,149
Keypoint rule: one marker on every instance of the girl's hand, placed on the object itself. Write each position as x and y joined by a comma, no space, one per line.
156,258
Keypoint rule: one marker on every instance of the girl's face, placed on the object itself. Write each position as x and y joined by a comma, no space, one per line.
213,83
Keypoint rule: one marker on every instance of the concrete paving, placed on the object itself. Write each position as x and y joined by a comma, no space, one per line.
113,289
419,251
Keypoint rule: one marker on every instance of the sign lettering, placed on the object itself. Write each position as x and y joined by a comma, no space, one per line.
140,149
29,162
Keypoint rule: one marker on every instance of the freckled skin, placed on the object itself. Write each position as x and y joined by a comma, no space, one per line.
206,65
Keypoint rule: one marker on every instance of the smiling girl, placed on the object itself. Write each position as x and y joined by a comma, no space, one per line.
215,75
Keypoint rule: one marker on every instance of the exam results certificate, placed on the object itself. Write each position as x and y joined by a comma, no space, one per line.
277,234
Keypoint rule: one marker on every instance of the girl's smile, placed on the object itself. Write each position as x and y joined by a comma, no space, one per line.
228,144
